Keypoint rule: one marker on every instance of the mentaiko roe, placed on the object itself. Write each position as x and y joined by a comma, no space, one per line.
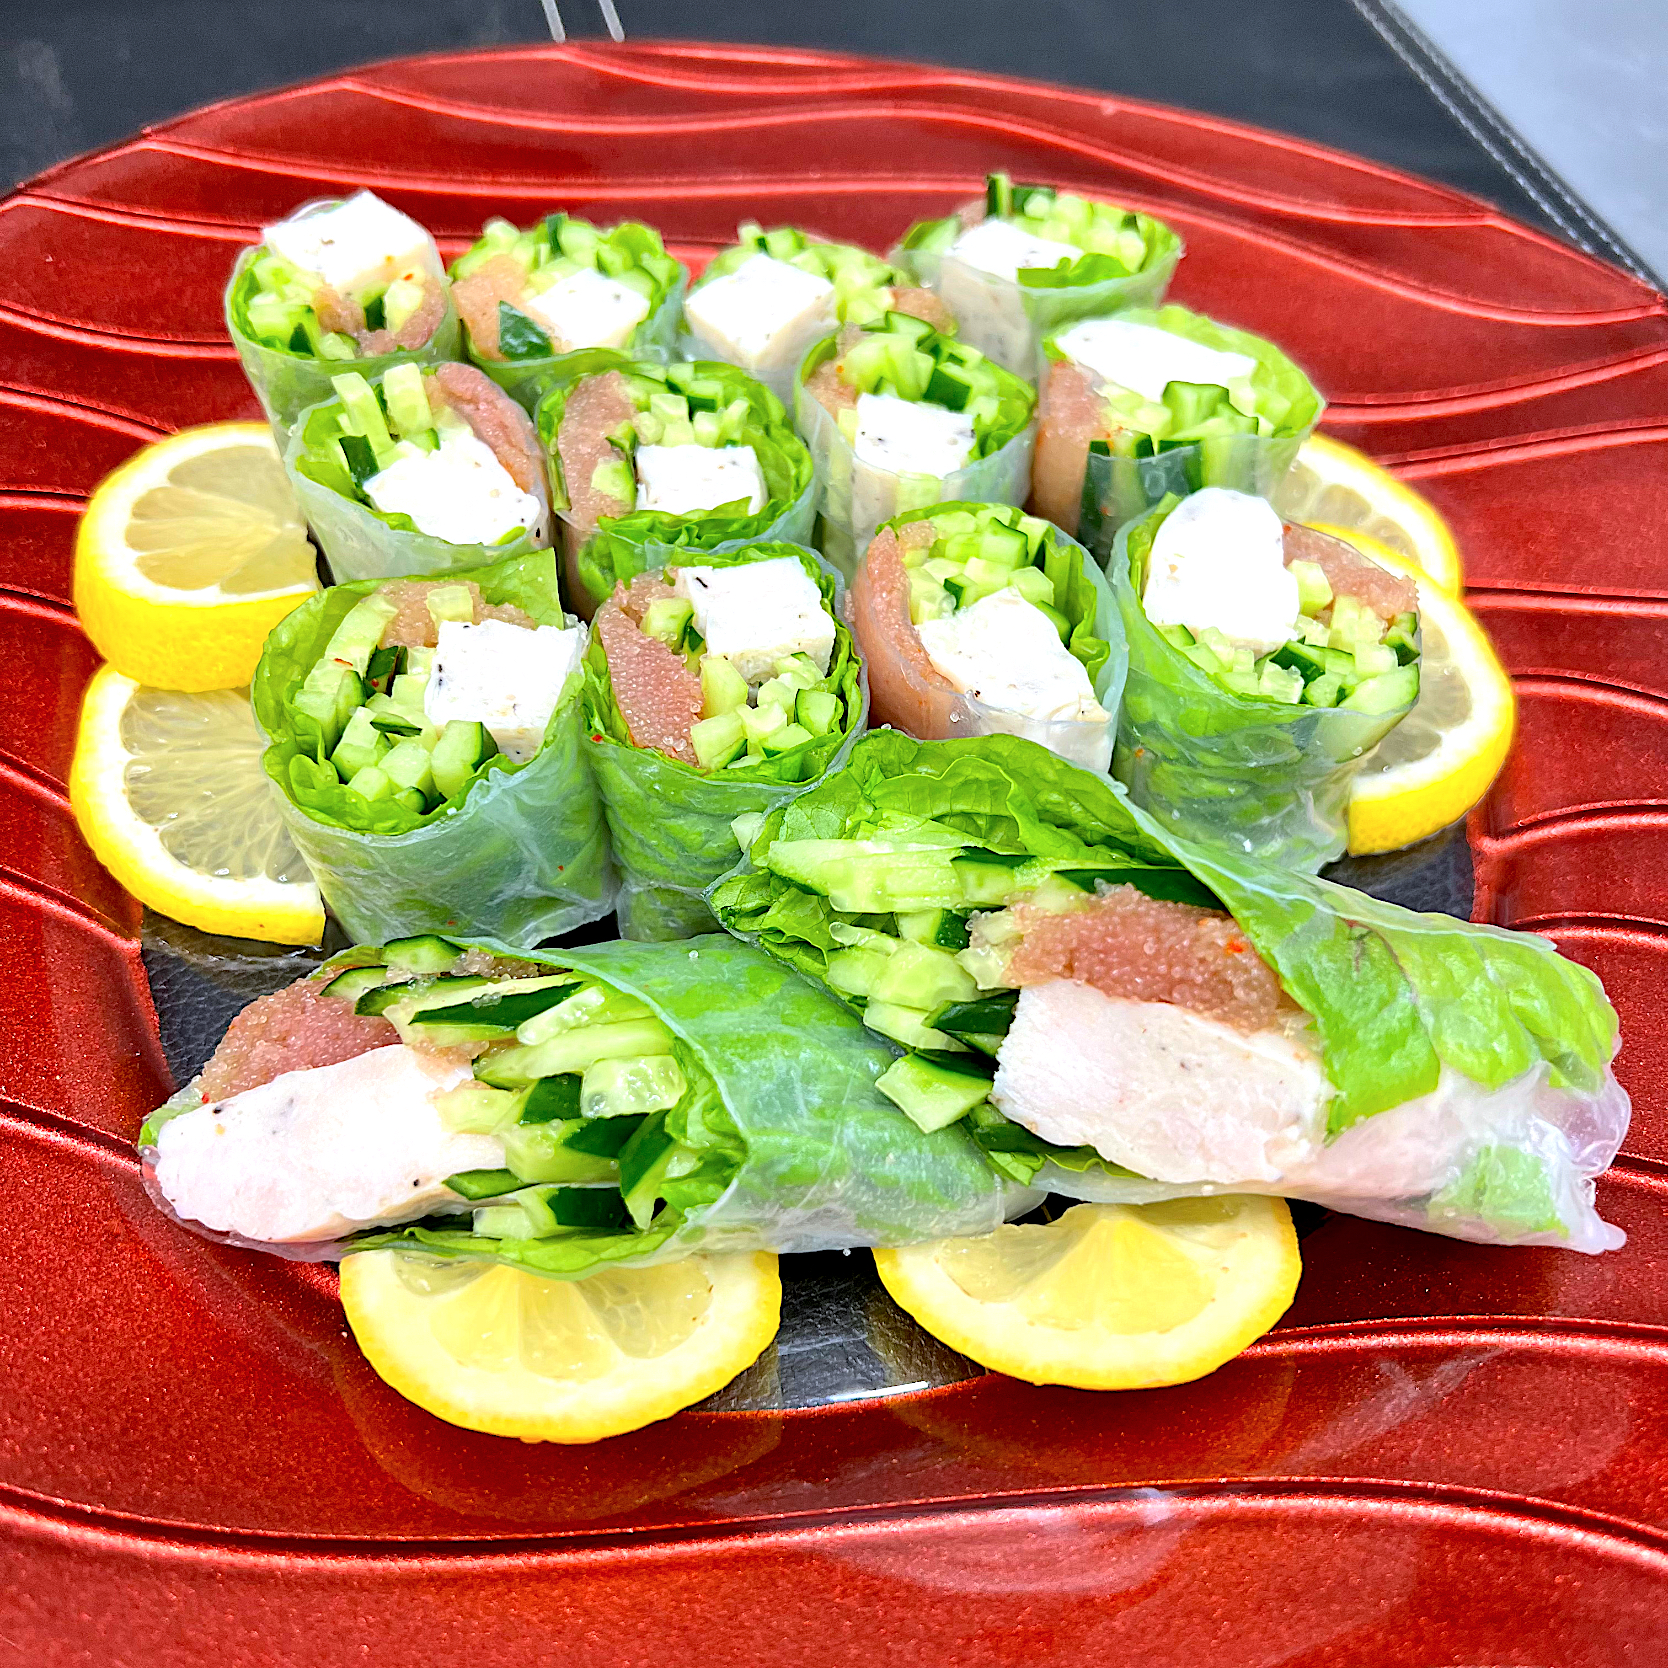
293,1029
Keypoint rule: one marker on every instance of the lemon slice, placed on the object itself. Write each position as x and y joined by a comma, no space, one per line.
168,790
496,1349
1107,1297
1440,760
189,554
1338,488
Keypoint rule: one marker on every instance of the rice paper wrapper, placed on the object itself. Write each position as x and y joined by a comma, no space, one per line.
857,497
527,380
1264,778
672,826
1008,321
359,544
523,858
1117,490
287,383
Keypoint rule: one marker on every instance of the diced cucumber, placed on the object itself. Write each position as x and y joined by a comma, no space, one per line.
408,764
406,696
450,602
590,1005
931,1096
362,415
778,692
464,746
362,744
353,984
412,800
487,1014
928,599
329,696
540,1153
406,399
475,1109
708,428
943,928
1034,585
543,1211
573,1050
620,1087
1353,624
1279,684
409,995
919,976
553,1100
856,972
1373,660
358,632
909,1027
1003,546
669,407
785,740
1399,688
723,688
484,1184
718,740
425,953
762,721
1324,691
646,1160
370,784
863,878
986,881
615,477
384,664
1314,590
665,619
984,1016
818,711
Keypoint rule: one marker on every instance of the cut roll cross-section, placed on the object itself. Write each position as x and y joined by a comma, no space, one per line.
189,554
168,790
497,1349
1342,491
1440,760
1107,1297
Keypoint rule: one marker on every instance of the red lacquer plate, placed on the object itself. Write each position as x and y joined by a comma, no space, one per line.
1444,1455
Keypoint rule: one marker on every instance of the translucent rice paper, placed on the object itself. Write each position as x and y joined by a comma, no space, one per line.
1008,321
527,380
1473,1092
359,544
523,858
857,497
810,1155
1117,490
1085,744
287,383
671,824
1267,779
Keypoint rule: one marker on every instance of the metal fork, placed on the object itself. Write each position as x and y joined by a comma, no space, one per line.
610,18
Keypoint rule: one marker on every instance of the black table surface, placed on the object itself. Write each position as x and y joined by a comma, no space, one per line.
78,74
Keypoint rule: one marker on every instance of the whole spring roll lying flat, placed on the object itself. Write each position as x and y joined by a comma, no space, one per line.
1159,401
1265,661
713,691
653,462
1119,1014
339,285
424,741
1026,260
897,417
560,1113
530,298
422,471
763,302
976,619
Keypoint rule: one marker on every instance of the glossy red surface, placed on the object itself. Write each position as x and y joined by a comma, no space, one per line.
1444,1455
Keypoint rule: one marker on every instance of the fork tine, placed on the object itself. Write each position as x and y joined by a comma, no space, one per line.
611,17
554,19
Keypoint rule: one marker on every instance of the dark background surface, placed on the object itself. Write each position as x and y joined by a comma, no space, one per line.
78,74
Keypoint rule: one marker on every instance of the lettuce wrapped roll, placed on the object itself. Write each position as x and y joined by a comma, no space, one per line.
424,741
980,620
898,417
1028,260
580,1108
763,302
339,285
1155,402
1119,1014
713,692
1265,661
651,462
530,299
419,472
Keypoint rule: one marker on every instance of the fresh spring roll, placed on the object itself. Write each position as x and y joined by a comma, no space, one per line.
339,285
1265,660
528,299
977,619
761,304
424,740
712,692
580,1108
652,462
897,417
1118,1014
1027,260
421,471
1154,402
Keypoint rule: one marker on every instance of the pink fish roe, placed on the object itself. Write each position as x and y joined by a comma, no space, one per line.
1070,413
658,696
477,296
293,1029
596,407
926,306
497,421
413,625
905,689
1145,949
1349,573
